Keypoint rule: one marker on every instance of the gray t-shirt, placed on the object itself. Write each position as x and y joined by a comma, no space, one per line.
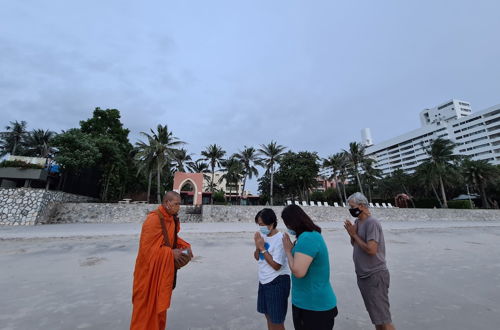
365,264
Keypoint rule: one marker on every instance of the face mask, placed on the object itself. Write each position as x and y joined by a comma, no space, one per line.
355,212
264,230
292,232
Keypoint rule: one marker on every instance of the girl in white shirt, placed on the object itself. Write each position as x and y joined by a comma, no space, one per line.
274,273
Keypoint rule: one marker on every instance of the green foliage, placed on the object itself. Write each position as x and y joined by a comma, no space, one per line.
332,196
19,164
426,203
298,172
459,204
318,196
13,138
76,150
218,197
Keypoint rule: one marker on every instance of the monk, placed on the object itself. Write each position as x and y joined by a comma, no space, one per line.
156,265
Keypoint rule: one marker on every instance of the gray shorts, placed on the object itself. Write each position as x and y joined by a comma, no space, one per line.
375,292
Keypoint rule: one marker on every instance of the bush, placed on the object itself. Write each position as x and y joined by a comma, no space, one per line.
425,203
318,196
19,164
219,197
459,204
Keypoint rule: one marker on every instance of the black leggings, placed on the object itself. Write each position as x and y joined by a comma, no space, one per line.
304,319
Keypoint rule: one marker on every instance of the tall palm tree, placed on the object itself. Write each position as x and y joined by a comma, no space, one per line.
233,173
14,137
425,174
370,174
356,156
336,163
214,154
145,158
164,144
249,159
441,161
479,173
181,157
271,154
199,166
38,142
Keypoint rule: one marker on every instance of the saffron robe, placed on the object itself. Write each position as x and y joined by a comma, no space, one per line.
154,273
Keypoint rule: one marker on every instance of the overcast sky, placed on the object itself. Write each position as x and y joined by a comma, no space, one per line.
309,74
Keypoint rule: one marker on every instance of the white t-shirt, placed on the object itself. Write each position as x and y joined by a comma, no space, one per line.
274,245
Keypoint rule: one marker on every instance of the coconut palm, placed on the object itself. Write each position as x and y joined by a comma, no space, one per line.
336,163
370,174
356,156
14,137
145,158
163,144
214,155
441,162
181,157
199,166
271,153
38,142
249,160
233,172
479,173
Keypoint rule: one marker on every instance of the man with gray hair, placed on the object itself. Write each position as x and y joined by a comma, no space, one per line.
373,277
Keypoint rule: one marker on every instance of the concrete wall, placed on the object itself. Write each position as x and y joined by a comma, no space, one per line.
27,206
221,213
111,213
121,213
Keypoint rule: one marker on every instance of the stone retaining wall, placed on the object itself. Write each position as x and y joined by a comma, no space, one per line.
221,213
27,206
111,213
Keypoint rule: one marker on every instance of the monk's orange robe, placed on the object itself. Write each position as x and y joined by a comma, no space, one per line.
154,273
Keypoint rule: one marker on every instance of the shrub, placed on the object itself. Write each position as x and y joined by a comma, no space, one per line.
19,164
459,204
219,197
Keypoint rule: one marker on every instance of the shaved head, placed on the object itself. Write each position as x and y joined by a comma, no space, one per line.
170,196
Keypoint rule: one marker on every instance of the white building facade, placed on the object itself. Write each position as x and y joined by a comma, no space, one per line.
477,135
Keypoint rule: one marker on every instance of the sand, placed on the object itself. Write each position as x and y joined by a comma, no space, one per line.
79,276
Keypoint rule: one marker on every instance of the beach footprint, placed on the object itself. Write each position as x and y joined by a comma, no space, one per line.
91,261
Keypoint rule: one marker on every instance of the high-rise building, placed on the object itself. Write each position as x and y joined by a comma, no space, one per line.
477,135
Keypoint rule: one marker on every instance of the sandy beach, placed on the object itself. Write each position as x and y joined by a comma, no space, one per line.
444,275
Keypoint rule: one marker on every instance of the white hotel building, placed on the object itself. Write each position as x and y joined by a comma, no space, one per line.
476,134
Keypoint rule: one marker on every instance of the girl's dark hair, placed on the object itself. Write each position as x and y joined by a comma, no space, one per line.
297,220
268,217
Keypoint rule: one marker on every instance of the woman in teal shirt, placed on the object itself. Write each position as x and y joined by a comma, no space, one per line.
314,305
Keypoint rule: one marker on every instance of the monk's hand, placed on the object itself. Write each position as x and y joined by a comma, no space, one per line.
259,241
180,258
350,228
287,243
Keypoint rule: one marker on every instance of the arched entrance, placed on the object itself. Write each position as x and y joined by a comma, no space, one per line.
190,187
188,192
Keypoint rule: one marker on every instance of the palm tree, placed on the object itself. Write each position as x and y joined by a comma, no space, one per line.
356,156
38,142
145,158
199,166
478,173
248,158
14,137
440,162
214,154
271,154
370,174
164,144
336,162
181,157
233,173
